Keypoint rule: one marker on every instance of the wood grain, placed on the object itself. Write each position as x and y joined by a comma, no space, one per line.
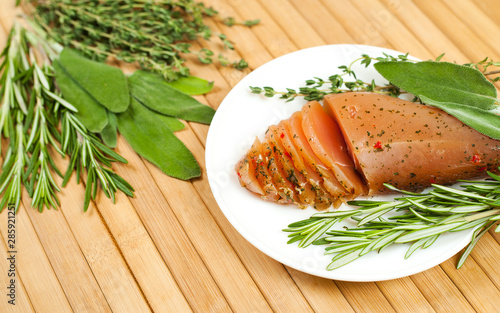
171,249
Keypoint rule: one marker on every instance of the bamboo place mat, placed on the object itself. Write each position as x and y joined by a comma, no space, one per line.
171,249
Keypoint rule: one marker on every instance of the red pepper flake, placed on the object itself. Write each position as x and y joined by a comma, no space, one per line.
432,181
482,168
288,154
239,174
282,135
378,145
476,159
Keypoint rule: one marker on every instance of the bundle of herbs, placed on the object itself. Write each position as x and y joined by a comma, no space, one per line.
154,34
57,94
35,119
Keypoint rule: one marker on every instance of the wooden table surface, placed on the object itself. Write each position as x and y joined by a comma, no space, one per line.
171,249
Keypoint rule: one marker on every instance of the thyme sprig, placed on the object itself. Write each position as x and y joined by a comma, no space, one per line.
30,113
413,218
154,34
336,83
316,88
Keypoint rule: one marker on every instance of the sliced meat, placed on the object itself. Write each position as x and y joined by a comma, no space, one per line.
303,188
356,142
326,140
247,174
262,172
323,198
330,182
285,188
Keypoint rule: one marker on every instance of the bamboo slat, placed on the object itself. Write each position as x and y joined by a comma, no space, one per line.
153,276
67,260
12,283
474,284
404,296
218,255
440,291
47,297
168,234
476,20
425,30
455,29
99,249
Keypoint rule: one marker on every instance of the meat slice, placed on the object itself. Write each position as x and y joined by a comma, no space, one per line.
284,188
303,188
407,144
247,174
322,199
262,172
330,182
326,140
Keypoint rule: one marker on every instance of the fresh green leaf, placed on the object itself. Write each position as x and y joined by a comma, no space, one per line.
90,113
154,141
109,133
156,94
484,121
105,83
441,81
171,122
190,85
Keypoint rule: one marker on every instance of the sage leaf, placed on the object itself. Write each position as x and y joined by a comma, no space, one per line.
90,113
484,121
105,83
156,142
109,133
190,85
441,81
155,93
171,122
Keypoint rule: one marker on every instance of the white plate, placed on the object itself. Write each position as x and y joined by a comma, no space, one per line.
243,115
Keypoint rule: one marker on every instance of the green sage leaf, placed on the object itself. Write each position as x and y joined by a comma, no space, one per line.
171,122
90,113
155,93
109,133
190,85
441,81
484,121
105,83
156,142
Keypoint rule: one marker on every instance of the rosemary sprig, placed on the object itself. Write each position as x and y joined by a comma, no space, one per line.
87,152
412,218
30,112
154,34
